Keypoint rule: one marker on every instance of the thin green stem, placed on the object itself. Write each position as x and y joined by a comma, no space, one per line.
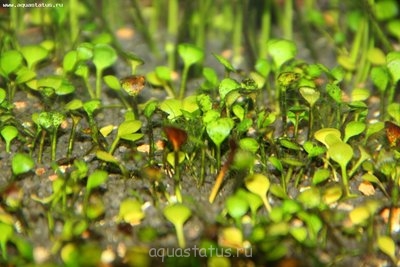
180,236
287,20
265,30
114,145
53,144
237,32
177,177
41,146
99,73
345,181
182,88
75,121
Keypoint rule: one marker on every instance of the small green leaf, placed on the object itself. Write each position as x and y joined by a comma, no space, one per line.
9,132
204,101
386,9
249,144
128,127
22,163
224,62
310,95
164,73
321,135
10,61
219,130
211,77
335,92
172,107
380,78
91,106
310,198
313,150
97,178
359,215
353,128
376,56
190,54
178,214
33,54
387,246
259,184
103,56
236,206
226,86
281,51
69,61
7,232
320,176
342,153
74,104
107,157
332,195
131,211
299,233
112,82
393,65
394,111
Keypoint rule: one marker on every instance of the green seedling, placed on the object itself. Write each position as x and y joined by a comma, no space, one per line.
353,128
218,130
133,60
342,154
97,178
177,137
104,56
388,247
50,121
127,130
311,96
281,51
90,107
107,157
259,184
34,54
321,135
253,200
130,211
9,133
178,214
236,207
21,163
227,65
7,232
211,79
190,55
286,81
72,106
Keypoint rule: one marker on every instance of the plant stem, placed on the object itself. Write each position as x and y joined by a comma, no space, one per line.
287,20
345,181
75,121
114,145
98,83
237,33
53,144
182,88
265,30
41,146
170,47
283,106
310,122
177,176
73,20
180,236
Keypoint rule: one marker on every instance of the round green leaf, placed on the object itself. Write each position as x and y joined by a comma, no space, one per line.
249,144
97,178
112,82
33,54
321,135
393,64
281,51
310,95
227,65
387,246
103,56
353,128
226,86
380,77
219,129
22,163
10,61
236,206
69,61
190,54
342,153
128,127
